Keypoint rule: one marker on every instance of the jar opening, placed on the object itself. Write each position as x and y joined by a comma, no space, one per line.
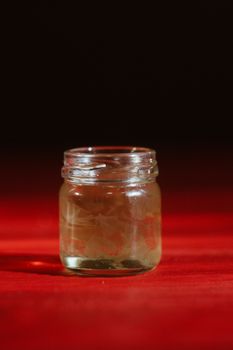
109,151
110,164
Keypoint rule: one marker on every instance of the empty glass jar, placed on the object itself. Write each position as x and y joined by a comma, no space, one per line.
110,211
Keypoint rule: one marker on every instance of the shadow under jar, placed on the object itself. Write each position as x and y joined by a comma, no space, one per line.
110,211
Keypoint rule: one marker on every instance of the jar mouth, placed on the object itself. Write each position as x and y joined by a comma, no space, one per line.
110,164
108,151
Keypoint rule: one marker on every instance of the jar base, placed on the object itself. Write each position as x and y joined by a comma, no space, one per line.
105,267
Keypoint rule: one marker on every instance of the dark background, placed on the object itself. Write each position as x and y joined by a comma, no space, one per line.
151,76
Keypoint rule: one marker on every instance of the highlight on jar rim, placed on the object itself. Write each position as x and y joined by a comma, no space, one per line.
93,150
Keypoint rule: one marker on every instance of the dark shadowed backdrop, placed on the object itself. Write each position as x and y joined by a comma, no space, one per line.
155,76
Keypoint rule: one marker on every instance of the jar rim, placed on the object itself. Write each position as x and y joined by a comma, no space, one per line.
110,164
109,151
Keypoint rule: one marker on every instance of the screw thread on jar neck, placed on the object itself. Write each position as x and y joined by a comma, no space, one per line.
110,164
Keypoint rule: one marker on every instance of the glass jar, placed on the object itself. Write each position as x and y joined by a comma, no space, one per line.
110,211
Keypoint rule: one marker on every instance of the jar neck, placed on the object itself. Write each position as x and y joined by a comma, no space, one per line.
126,165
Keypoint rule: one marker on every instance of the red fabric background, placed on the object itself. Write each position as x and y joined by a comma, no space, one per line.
186,303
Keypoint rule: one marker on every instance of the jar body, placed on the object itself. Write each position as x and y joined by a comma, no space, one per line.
110,229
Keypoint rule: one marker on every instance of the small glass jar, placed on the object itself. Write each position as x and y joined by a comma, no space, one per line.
110,211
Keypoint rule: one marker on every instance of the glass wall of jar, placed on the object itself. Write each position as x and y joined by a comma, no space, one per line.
110,211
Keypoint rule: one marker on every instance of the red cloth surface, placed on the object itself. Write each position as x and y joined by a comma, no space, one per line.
186,303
